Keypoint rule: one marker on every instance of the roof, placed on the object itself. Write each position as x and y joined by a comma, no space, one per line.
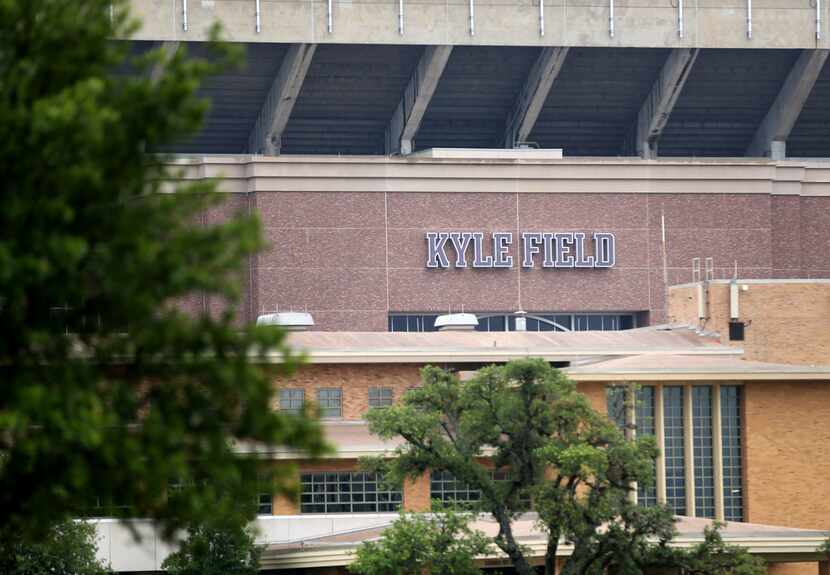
338,538
475,346
671,367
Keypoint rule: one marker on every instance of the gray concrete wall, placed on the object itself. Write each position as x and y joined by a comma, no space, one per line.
644,23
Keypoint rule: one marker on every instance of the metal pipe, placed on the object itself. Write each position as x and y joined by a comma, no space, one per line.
818,19
611,18
541,17
400,17
680,19
184,15
258,19
749,19
472,18
329,17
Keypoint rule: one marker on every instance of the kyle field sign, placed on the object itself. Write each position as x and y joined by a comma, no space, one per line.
554,249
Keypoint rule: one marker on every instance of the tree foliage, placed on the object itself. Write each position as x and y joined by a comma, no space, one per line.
108,391
224,547
67,548
529,419
415,544
713,556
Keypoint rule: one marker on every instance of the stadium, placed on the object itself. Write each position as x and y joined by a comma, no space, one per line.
637,191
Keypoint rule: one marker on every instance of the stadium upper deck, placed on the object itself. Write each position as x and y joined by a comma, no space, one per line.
594,78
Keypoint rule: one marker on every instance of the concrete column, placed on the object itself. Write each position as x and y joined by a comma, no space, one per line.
717,452
266,136
655,111
406,120
659,422
770,139
533,95
689,448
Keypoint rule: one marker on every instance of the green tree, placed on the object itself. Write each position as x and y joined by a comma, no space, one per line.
226,547
529,419
108,390
68,548
711,557
415,544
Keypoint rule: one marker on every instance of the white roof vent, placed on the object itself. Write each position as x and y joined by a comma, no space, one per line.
456,322
288,320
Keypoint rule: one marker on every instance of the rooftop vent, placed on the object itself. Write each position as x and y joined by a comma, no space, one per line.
456,322
288,320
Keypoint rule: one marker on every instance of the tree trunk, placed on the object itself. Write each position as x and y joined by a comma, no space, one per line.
550,554
508,544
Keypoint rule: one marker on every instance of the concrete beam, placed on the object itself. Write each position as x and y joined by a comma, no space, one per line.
266,136
413,105
656,109
533,95
771,137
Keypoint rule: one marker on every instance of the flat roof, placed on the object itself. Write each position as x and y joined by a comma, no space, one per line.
668,367
481,347
338,545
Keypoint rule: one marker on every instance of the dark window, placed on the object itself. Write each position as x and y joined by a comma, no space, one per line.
330,401
380,396
730,406
444,487
644,416
412,322
646,495
703,451
674,449
492,323
736,331
291,400
507,322
346,492
264,504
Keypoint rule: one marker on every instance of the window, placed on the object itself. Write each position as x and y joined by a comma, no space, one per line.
265,504
330,401
380,397
730,409
644,425
504,321
646,495
346,492
444,487
412,322
674,449
291,400
703,460
704,478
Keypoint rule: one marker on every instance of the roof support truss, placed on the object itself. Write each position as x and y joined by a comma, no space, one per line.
657,107
266,136
533,95
771,137
406,120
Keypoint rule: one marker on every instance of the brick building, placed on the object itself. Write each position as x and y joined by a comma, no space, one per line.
696,281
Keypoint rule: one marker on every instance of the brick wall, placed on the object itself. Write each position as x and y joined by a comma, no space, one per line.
787,439
785,322
354,381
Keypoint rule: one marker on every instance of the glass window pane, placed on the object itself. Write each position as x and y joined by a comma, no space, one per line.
345,493
732,456
674,452
703,462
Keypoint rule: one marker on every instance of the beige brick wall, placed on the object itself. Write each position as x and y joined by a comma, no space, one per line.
354,381
787,459
785,322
